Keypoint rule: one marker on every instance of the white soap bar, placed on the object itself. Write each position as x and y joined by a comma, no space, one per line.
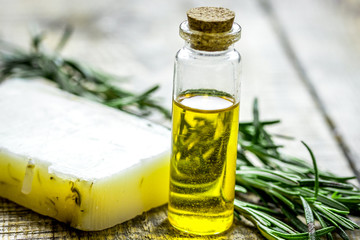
76,160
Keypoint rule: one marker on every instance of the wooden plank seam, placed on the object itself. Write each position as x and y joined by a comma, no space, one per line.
301,72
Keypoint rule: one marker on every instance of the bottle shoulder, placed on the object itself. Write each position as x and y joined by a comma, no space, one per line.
188,54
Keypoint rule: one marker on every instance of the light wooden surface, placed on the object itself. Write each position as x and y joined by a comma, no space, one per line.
301,59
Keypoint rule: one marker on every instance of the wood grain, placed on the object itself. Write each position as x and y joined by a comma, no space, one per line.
139,39
324,48
270,75
20,223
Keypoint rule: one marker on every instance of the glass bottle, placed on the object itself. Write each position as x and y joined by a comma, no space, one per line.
205,115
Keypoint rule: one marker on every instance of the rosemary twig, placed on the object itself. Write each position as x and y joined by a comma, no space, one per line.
73,76
292,185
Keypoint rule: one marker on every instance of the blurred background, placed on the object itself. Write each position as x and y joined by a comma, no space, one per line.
301,58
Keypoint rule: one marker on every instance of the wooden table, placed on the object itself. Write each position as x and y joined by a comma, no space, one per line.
301,58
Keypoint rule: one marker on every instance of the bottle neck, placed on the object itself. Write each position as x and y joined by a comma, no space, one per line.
190,47
210,42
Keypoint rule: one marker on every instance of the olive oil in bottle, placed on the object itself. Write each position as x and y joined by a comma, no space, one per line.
202,176
205,117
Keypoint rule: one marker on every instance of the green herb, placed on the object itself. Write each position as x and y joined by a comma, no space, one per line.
73,76
288,188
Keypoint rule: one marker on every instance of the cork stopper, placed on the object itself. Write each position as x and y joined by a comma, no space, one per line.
210,29
211,19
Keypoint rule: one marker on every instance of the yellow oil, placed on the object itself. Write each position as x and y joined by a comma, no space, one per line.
203,161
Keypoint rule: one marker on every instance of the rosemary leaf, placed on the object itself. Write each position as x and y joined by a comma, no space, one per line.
316,186
323,224
309,218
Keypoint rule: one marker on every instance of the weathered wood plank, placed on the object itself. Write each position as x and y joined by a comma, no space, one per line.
324,46
130,39
270,75
19,223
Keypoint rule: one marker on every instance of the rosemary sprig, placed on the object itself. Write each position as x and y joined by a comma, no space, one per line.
291,187
73,76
